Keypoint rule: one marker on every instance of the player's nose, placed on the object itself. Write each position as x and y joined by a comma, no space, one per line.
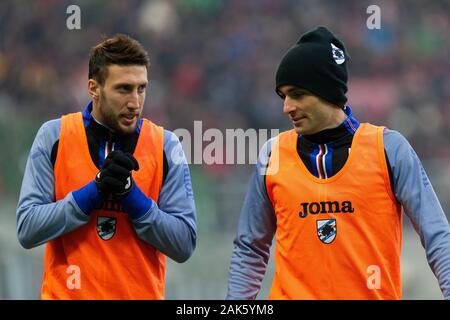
288,105
133,101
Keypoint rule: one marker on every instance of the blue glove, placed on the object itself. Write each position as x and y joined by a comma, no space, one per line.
136,203
88,197
113,178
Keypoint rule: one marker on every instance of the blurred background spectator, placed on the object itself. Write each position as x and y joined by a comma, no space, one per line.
215,61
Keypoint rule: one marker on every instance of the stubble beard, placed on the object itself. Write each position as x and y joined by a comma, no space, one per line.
110,119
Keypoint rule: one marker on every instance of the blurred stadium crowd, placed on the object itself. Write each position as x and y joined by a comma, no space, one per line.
215,61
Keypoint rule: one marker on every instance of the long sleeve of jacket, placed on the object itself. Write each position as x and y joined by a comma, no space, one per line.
170,225
256,229
39,217
420,203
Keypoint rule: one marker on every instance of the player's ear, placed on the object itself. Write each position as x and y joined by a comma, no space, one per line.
94,89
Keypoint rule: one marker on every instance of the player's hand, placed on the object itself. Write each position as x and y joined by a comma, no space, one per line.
115,176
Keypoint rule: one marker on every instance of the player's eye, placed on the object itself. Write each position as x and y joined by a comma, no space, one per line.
141,89
296,94
124,89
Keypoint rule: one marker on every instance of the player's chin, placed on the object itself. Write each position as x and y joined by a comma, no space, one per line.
304,130
299,129
127,128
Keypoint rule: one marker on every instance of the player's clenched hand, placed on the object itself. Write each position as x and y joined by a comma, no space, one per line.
115,176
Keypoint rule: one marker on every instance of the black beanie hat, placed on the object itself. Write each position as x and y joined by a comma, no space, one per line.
317,63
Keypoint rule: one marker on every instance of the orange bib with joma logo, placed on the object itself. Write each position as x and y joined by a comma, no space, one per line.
105,258
340,237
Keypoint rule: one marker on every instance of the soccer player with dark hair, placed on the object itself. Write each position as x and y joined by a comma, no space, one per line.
107,191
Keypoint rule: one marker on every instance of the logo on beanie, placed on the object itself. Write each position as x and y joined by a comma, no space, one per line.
338,54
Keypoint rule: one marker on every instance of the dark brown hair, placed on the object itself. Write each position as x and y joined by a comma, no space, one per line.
120,49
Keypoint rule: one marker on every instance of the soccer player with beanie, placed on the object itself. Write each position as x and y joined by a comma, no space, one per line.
331,192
